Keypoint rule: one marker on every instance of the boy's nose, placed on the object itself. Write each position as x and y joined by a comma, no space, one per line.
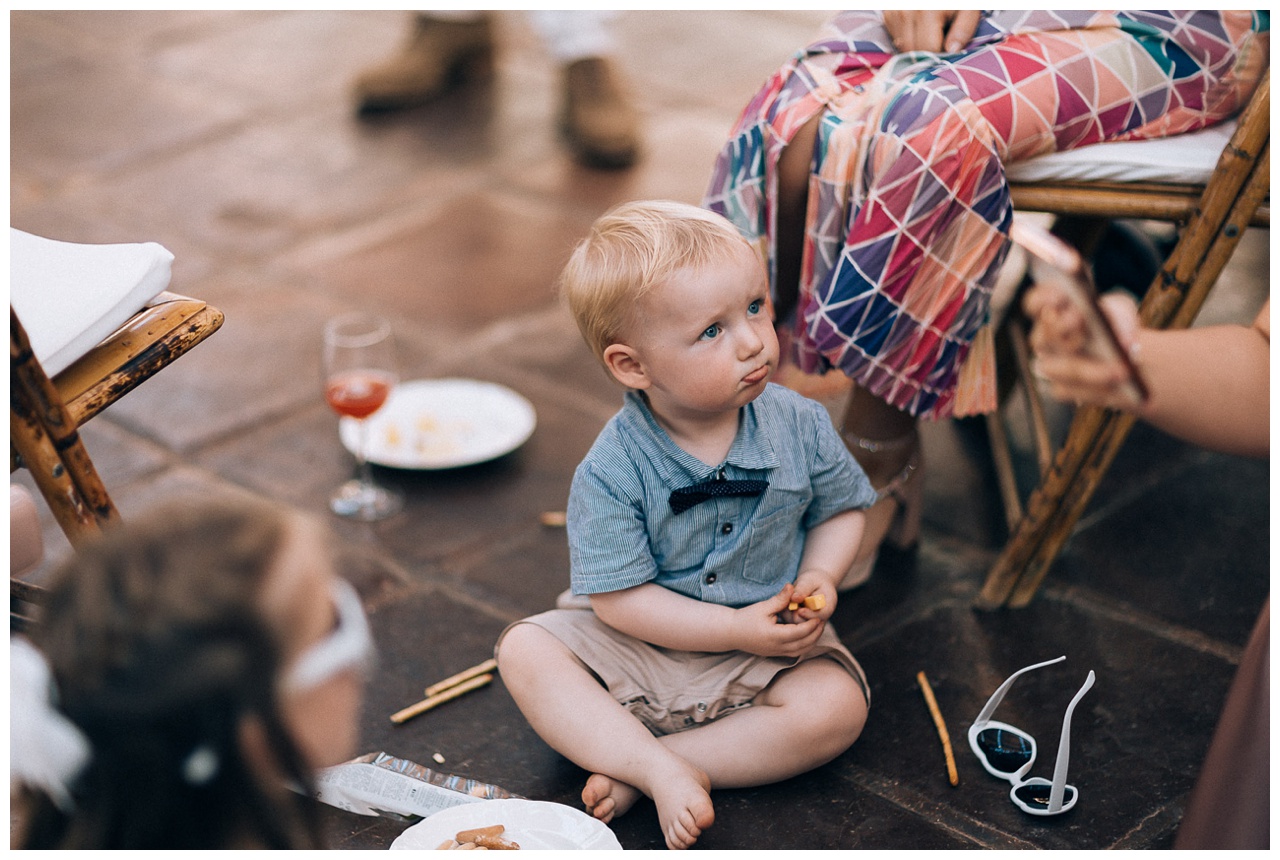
756,338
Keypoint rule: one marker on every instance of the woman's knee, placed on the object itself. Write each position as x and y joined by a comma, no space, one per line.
931,122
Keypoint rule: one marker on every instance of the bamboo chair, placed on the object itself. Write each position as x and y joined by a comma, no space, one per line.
45,414
1211,220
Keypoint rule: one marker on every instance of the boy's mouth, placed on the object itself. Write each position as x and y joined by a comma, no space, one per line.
757,375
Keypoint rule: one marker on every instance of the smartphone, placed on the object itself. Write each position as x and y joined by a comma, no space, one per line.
1056,264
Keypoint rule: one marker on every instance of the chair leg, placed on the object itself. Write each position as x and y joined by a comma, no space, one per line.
21,592
45,437
1005,475
1044,510
1072,505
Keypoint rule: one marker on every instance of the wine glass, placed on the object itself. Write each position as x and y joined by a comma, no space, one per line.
359,373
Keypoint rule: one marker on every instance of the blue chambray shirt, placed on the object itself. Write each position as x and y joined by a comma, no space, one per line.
733,551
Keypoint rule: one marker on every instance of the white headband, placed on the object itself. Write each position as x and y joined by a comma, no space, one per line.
46,750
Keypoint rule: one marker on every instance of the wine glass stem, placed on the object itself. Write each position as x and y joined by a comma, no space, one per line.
362,460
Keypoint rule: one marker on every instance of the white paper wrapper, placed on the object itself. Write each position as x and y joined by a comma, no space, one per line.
379,784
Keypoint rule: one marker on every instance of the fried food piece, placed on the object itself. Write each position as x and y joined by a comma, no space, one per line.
496,843
470,835
480,839
813,602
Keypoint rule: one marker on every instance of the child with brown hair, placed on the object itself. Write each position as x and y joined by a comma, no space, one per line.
188,667
707,510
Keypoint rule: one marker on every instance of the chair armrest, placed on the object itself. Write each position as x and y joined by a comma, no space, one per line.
167,328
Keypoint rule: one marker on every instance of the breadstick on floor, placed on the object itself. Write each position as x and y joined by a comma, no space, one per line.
941,725
440,698
465,675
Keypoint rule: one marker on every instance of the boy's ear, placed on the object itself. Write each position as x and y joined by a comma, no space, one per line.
625,365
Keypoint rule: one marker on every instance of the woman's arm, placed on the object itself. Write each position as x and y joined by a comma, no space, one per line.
1209,386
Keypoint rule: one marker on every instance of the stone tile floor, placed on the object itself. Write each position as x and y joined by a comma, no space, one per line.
229,137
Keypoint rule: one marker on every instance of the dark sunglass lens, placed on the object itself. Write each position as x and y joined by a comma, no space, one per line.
1006,751
1036,795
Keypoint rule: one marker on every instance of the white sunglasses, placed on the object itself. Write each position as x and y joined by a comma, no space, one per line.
348,646
1008,753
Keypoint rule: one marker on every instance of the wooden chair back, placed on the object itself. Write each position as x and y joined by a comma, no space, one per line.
1236,197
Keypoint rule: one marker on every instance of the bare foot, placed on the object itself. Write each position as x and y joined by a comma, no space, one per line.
682,795
606,798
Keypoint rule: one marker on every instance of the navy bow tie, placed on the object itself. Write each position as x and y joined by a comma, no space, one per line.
686,497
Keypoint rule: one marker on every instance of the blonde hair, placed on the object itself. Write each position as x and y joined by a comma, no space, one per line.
632,248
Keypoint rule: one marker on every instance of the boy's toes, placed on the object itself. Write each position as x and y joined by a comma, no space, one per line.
597,797
686,829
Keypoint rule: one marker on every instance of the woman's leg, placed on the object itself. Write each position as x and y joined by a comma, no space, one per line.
901,304
795,165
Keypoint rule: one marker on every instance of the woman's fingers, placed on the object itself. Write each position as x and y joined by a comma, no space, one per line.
962,29
932,30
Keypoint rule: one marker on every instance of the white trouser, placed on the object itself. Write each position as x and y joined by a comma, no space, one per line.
568,35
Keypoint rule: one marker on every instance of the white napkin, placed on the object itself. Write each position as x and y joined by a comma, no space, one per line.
69,297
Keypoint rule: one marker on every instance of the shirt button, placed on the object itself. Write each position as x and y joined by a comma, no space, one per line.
727,528
711,578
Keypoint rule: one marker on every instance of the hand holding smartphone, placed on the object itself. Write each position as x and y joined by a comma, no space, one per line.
1057,266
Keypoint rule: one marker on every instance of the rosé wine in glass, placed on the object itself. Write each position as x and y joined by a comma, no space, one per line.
359,373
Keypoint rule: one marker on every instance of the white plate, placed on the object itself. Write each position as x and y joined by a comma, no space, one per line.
534,824
443,424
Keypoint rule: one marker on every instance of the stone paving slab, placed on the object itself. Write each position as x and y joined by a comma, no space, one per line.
229,138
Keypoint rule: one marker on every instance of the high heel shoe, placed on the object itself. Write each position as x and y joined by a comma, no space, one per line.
896,514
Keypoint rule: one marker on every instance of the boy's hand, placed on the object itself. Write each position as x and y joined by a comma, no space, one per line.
757,629
812,583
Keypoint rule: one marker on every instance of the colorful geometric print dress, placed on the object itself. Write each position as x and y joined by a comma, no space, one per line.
909,209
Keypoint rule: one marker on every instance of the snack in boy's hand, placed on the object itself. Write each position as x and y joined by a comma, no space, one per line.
813,602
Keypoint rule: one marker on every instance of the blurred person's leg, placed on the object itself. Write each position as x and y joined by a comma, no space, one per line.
443,49
1230,806
26,541
597,116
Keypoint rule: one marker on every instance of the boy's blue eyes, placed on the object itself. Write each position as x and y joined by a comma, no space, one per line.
713,331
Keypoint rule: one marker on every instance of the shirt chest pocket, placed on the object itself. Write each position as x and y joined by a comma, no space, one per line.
775,542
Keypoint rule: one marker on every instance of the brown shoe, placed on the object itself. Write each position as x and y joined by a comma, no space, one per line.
598,120
439,55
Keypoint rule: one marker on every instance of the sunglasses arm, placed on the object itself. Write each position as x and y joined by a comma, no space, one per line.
1058,788
984,716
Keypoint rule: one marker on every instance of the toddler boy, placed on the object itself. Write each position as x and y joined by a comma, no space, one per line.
710,504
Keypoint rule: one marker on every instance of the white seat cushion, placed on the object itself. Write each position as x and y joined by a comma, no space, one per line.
1184,158
69,297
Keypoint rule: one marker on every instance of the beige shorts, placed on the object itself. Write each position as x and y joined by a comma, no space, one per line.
671,691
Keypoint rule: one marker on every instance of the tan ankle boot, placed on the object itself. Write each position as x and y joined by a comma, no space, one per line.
439,55
598,119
